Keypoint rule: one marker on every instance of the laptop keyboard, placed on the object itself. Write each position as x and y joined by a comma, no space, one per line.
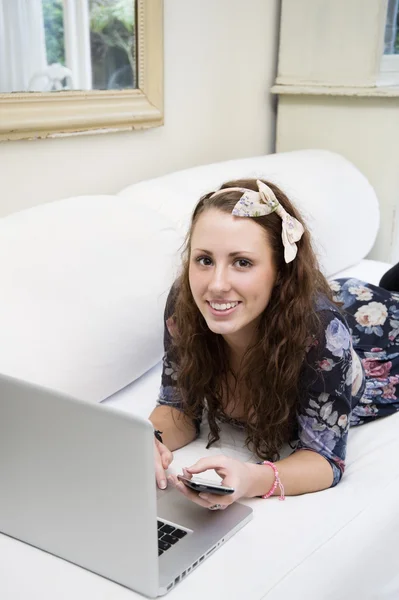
168,536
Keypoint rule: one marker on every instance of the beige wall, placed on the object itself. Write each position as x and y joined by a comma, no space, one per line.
363,129
220,61
328,74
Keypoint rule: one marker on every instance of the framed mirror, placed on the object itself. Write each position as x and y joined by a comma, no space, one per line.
79,66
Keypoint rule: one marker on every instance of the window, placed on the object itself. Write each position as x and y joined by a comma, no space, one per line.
105,57
391,41
390,60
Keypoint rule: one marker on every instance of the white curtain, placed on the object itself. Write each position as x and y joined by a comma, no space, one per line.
22,43
77,42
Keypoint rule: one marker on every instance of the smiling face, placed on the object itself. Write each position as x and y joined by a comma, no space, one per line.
231,273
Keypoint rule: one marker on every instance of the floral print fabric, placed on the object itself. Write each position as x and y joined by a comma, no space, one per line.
356,369
350,374
331,384
372,314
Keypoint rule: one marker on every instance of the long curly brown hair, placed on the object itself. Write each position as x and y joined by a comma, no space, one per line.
268,381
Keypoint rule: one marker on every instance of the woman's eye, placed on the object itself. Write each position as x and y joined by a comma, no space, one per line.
243,263
205,261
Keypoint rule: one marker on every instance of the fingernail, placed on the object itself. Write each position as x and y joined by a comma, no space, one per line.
204,496
162,484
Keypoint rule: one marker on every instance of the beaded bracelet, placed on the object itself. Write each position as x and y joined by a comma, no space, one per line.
277,481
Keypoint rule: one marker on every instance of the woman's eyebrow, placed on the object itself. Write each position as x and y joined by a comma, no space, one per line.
240,252
231,254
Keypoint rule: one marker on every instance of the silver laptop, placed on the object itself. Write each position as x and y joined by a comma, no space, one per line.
78,481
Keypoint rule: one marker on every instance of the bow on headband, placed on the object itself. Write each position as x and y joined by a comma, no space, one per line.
262,203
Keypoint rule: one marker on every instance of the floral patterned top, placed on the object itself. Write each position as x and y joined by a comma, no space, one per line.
349,376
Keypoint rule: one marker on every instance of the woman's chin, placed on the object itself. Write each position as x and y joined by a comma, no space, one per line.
221,328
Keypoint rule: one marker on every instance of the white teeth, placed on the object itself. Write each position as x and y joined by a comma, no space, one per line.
225,306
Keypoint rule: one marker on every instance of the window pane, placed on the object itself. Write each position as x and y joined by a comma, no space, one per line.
392,28
95,40
53,17
113,44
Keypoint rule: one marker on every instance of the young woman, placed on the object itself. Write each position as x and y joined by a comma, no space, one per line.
254,337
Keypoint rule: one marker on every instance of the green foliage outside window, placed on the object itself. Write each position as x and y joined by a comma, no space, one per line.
54,27
112,25
112,38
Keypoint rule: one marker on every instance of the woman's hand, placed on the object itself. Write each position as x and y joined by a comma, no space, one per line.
234,473
163,459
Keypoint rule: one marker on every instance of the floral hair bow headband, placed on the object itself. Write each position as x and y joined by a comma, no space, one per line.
262,203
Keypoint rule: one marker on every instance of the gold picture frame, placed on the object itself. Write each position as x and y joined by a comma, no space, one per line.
35,115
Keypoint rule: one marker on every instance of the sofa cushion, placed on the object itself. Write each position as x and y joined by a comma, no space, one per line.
336,200
83,286
367,270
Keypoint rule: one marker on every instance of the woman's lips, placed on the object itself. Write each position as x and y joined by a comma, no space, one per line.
222,313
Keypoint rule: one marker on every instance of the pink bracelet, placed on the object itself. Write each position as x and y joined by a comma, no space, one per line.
277,481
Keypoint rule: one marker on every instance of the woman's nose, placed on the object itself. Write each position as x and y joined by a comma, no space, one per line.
220,281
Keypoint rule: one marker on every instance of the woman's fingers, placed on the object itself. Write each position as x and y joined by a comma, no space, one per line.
186,473
190,494
160,473
163,458
224,467
165,454
217,499
217,463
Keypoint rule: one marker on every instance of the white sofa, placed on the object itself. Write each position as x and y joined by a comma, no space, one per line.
84,282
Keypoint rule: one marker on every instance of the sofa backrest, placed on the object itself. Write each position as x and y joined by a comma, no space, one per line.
336,200
84,280
83,287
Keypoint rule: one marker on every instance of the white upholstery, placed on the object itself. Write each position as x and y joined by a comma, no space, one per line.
83,287
366,270
325,187
315,550
84,279
337,544
84,282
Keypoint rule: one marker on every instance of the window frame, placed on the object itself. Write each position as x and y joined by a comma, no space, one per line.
389,70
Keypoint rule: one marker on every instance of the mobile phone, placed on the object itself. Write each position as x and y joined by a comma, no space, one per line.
204,485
